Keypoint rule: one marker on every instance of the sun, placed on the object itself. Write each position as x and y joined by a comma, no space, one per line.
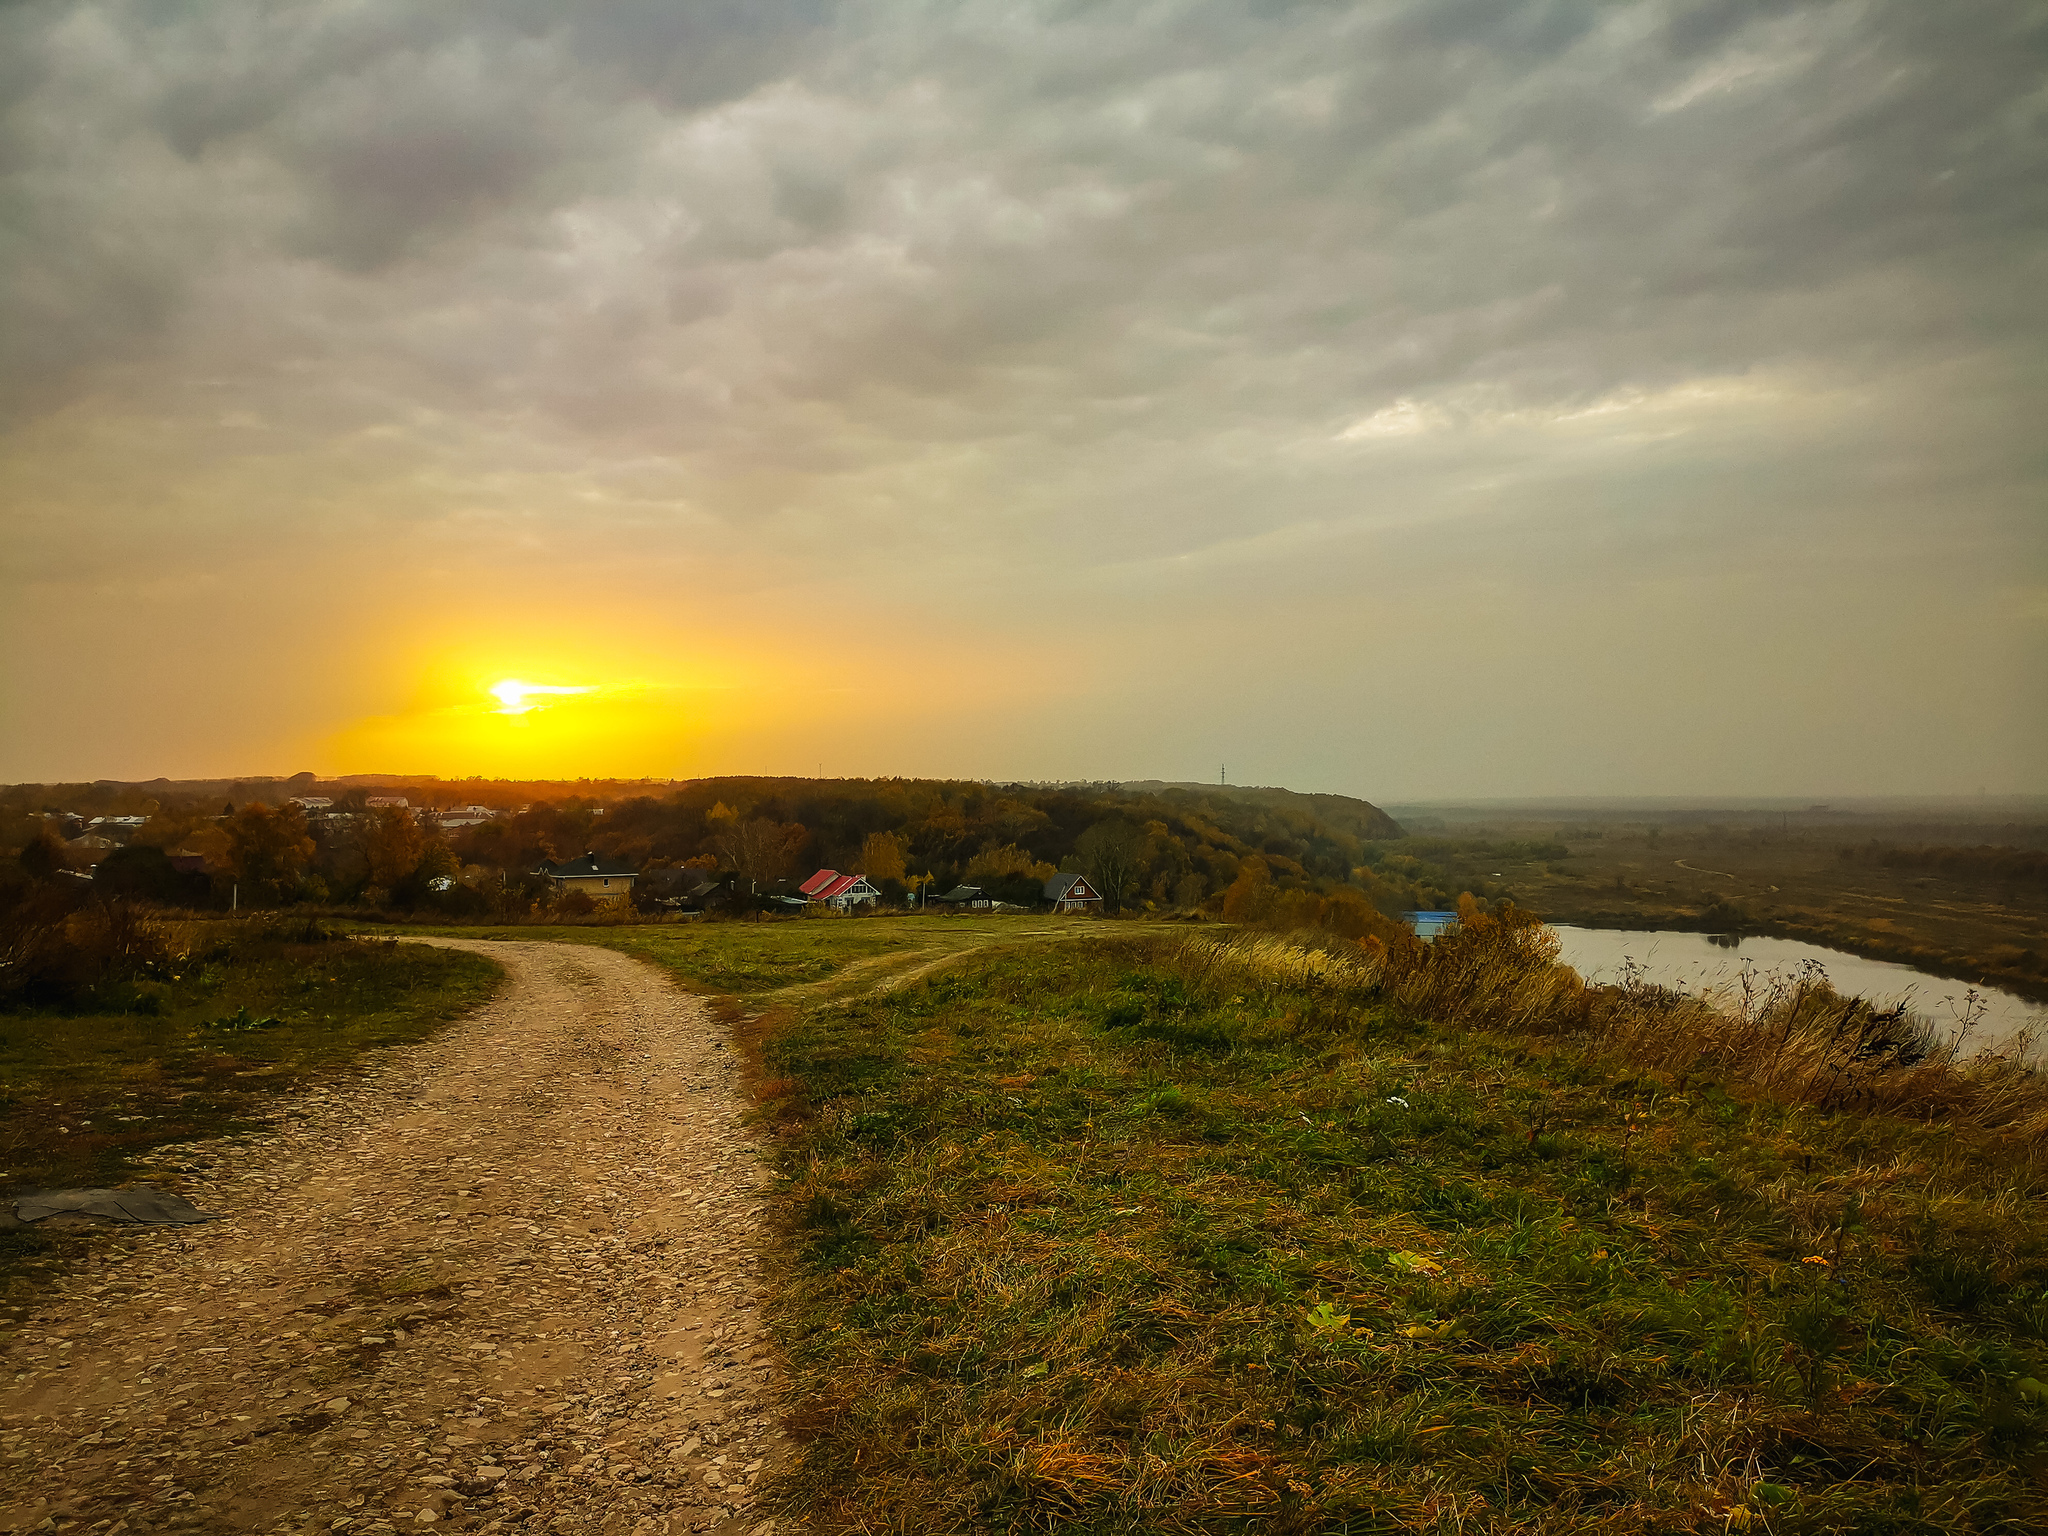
514,696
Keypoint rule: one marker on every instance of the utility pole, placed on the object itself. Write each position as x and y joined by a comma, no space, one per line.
1222,774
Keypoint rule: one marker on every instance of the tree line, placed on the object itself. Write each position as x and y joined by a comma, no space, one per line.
1145,848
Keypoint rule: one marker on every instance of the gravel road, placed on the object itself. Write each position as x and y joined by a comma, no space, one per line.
503,1280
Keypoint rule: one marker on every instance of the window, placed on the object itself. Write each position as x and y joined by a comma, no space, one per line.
607,880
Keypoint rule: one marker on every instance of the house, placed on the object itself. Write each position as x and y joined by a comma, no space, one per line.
605,881
312,802
843,892
1072,893
464,816
396,802
693,890
965,898
1428,925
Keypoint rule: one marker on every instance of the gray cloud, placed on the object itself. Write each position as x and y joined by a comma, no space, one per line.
1091,298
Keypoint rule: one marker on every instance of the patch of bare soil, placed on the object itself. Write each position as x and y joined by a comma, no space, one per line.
505,1280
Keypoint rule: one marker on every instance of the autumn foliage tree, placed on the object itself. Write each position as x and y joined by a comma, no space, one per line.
1112,852
395,846
881,857
268,848
1250,895
759,847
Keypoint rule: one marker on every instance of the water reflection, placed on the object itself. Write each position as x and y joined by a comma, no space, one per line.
1698,963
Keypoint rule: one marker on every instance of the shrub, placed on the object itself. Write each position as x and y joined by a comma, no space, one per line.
53,952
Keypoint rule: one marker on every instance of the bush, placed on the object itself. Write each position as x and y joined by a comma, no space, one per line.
53,952
142,873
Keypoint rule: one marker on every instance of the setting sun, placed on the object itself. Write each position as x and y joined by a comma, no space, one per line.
513,696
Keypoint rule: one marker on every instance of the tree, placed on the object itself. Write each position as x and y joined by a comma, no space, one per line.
43,856
268,847
1250,894
1112,852
395,846
881,857
1009,874
140,872
759,848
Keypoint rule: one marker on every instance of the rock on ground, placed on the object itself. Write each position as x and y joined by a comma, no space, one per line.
505,1280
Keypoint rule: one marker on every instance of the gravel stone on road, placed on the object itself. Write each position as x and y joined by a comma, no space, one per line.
504,1280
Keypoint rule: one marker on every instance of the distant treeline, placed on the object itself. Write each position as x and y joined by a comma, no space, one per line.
1173,846
1166,846
1986,863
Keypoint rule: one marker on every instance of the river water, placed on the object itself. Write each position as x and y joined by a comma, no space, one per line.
1703,962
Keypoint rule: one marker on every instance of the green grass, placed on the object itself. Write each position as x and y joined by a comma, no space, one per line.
205,1050
1089,1239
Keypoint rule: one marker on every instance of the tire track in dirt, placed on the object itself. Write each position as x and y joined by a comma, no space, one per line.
506,1279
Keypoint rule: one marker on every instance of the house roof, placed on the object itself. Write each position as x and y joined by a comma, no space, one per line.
703,887
964,893
1064,888
817,883
587,865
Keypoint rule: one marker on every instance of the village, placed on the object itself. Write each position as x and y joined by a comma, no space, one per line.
590,881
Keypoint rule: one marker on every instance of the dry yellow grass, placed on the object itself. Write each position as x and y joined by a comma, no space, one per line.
1797,1040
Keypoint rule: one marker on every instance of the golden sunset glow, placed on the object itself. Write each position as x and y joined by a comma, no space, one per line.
516,698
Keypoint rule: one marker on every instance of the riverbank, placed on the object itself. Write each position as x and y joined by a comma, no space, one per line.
1960,896
1869,943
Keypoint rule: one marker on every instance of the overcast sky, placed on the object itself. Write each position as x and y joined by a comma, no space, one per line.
1413,399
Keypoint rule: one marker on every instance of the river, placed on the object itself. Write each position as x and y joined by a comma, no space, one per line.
1701,962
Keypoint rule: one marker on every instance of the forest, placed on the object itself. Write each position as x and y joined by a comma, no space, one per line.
1150,847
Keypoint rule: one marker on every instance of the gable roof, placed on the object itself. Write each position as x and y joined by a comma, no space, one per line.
964,893
814,886
583,867
1070,888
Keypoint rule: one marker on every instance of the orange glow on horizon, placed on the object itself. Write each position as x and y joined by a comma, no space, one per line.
571,705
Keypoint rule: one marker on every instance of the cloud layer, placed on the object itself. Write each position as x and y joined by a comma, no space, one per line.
1290,351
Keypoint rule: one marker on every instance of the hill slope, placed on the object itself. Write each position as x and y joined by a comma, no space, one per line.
1341,813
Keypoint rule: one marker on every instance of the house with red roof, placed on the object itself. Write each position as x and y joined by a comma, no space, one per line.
841,892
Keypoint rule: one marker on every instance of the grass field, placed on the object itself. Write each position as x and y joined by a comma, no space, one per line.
1080,1229
1102,1239
204,1050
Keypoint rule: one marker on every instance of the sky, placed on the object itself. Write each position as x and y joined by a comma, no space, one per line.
1411,399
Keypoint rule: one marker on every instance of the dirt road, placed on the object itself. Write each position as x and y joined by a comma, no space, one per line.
505,1280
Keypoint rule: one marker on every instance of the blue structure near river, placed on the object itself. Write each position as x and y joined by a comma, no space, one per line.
1428,925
